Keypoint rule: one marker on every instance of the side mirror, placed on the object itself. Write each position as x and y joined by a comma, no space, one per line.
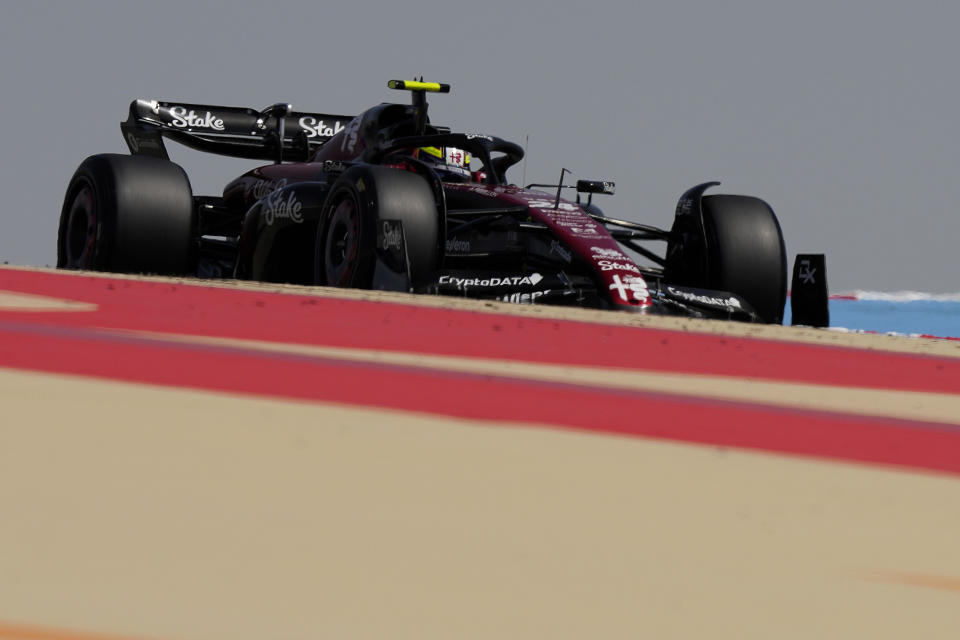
596,186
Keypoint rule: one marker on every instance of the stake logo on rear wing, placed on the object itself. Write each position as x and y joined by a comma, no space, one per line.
272,134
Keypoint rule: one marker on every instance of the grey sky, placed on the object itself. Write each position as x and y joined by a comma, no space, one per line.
842,115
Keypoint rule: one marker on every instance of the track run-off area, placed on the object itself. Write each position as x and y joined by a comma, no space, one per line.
184,460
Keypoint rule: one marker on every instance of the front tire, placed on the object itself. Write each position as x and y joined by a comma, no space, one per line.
346,236
127,214
746,253
739,250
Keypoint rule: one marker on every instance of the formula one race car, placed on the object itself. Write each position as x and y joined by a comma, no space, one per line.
387,200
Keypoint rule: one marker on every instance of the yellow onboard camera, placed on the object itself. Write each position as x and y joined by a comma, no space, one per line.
419,85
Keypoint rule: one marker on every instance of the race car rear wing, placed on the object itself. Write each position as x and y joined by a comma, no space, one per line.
277,133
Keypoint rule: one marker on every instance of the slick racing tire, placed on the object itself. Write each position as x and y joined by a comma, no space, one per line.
745,252
129,214
345,253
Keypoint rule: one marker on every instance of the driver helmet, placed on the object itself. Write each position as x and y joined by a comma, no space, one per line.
451,163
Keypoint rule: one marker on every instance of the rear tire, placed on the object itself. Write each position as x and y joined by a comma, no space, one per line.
345,253
746,253
128,214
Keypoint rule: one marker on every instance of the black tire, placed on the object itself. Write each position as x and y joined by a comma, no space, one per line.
128,214
745,252
345,253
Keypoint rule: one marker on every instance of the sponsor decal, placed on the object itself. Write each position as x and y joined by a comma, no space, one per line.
392,237
562,221
334,165
351,133
806,272
472,136
524,298
506,281
483,192
578,224
548,204
610,265
461,171
318,128
708,300
557,248
684,206
182,119
456,157
601,252
458,246
585,231
276,207
259,189
136,144
630,288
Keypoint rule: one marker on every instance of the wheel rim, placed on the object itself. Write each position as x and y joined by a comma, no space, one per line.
81,233
341,244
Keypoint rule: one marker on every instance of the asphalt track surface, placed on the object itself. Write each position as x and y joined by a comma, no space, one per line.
187,460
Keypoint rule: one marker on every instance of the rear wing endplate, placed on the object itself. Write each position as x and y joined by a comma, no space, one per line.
276,133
